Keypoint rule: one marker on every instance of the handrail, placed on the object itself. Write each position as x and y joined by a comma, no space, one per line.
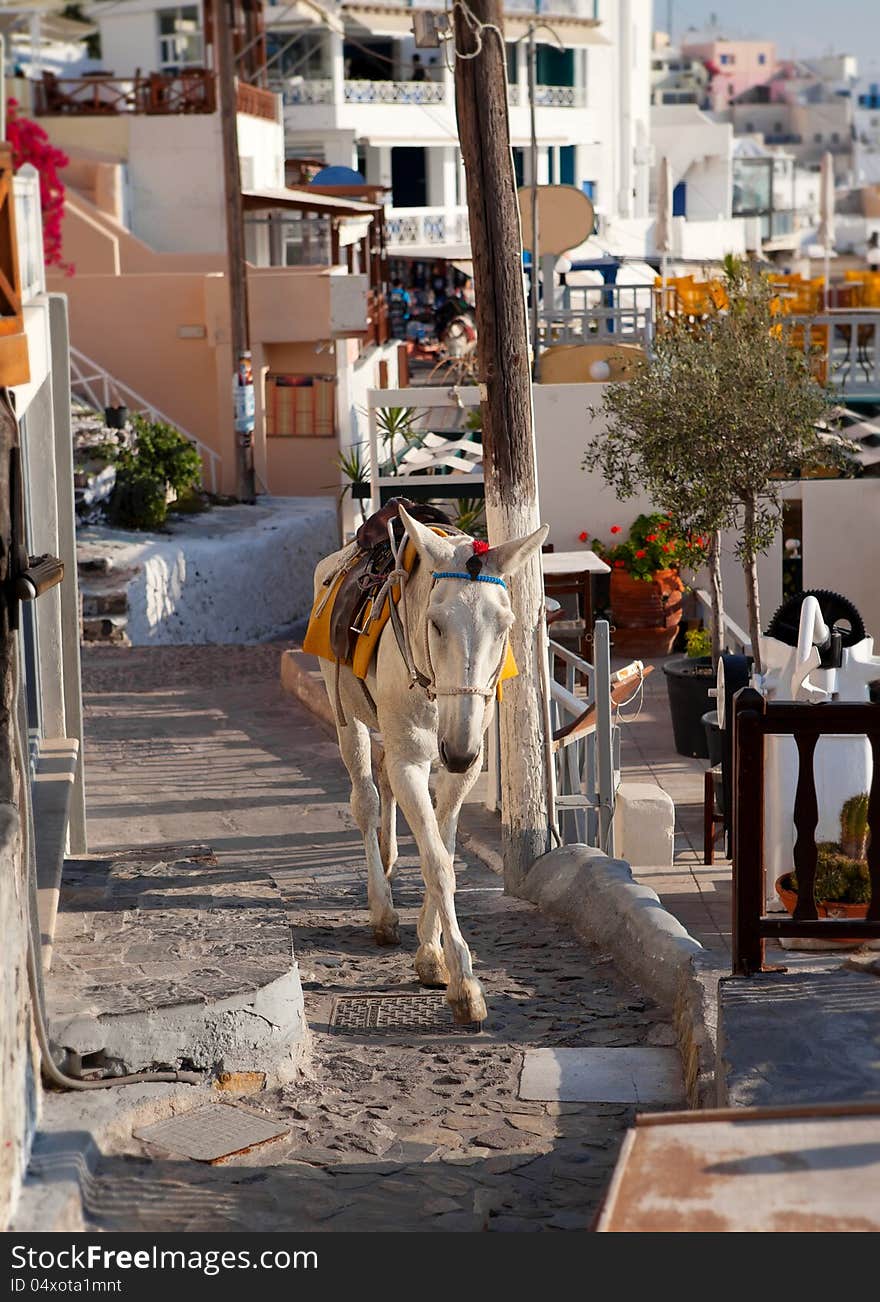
112,390
739,637
754,720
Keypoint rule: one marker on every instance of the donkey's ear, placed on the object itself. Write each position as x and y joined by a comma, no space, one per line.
508,557
434,551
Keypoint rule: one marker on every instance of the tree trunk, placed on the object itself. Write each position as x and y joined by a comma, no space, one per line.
509,461
750,570
717,598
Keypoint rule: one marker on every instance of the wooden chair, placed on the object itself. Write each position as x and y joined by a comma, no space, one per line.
712,816
575,617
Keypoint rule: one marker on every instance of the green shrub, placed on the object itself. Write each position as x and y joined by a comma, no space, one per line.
138,499
698,642
161,458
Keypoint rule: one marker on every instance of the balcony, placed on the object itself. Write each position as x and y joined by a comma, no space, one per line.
100,95
410,228
320,91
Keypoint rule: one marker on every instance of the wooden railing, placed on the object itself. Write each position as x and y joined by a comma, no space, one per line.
256,102
154,93
754,720
378,325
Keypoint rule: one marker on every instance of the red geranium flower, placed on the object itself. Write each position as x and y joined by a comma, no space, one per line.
664,526
640,555
667,547
615,528
618,565
583,535
651,537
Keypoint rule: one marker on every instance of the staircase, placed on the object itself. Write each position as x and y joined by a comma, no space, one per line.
90,382
104,596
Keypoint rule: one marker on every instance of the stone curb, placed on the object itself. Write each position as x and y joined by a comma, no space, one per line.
599,899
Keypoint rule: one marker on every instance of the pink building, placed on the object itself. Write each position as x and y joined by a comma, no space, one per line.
733,66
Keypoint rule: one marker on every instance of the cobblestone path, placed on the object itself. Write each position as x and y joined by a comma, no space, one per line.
408,1133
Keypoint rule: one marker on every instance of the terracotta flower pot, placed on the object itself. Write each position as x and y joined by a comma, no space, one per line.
646,613
824,908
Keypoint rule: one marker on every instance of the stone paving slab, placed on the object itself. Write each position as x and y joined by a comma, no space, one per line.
162,954
646,1076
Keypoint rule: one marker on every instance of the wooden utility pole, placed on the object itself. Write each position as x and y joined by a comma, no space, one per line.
509,461
238,304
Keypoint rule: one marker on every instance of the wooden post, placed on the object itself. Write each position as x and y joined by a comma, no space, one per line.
238,305
508,441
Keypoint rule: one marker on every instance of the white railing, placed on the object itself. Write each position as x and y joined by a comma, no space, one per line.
319,91
29,233
415,226
585,743
628,325
395,92
735,638
437,453
512,94
96,386
563,8
560,96
845,347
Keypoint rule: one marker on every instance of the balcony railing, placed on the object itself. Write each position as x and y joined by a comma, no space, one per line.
29,233
395,92
281,240
256,102
97,95
417,226
319,91
560,96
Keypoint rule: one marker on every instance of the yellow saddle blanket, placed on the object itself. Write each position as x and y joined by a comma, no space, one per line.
317,639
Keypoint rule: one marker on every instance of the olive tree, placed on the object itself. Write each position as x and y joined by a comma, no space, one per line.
723,413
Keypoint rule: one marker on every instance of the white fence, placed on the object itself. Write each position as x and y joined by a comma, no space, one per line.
438,455
417,226
96,386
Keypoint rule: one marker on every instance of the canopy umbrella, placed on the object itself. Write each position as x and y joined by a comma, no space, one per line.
826,214
663,221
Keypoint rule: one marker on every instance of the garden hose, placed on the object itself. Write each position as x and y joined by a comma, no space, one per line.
51,1073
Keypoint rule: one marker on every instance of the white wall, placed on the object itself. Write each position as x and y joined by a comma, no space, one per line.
129,39
175,175
573,499
840,542
261,150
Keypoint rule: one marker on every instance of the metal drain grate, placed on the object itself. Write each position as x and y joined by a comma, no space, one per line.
211,1133
397,1014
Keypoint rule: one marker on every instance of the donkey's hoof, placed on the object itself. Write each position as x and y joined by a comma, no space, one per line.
467,1002
431,969
387,933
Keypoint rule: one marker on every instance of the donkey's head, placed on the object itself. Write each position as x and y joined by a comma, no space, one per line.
463,641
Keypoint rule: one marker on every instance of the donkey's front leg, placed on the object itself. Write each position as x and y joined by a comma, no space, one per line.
410,783
354,743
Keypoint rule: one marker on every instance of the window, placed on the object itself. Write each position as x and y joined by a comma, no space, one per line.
679,200
762,58
566,164
300,406
728,60
817,138
180,38
835,137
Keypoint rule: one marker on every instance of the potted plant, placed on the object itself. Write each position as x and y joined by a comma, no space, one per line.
689,679
115,417
646,586
842,886
723,414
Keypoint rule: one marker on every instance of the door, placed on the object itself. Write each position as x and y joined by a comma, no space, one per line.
409,177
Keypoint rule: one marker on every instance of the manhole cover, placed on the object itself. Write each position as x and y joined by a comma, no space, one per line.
211,1133
397,1014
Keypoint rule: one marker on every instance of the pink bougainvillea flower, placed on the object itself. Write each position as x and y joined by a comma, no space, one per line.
615,528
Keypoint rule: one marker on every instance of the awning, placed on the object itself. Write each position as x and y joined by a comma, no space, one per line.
306,201
391,20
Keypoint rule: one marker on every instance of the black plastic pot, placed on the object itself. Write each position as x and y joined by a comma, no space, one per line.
689,682
713,737
114,417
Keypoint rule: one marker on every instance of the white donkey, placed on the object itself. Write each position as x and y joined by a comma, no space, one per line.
454,630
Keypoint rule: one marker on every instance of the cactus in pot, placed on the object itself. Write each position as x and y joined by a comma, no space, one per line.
854,826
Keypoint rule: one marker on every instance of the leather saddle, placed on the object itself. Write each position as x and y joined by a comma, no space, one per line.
370,567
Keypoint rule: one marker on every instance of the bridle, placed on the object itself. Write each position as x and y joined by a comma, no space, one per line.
428,681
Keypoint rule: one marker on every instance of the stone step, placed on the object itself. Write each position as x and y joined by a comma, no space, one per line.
104,603
106,628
